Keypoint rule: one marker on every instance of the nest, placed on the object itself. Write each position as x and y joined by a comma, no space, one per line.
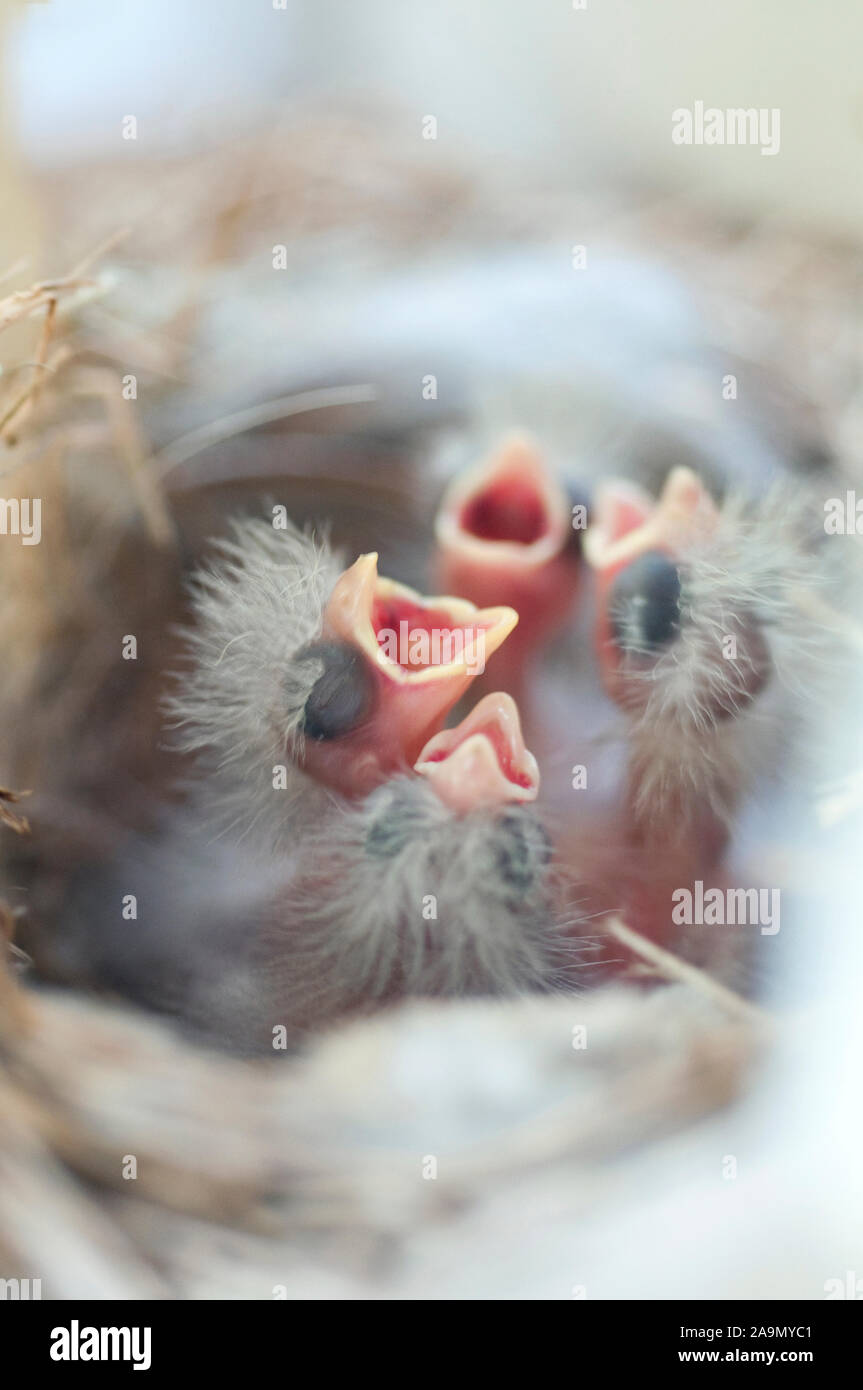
401,1156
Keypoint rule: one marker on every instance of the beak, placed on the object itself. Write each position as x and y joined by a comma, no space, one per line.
628,523
483,762
510,509
503,531
422,652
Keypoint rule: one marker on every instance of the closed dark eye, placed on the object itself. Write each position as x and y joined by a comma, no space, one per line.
644,603
343,694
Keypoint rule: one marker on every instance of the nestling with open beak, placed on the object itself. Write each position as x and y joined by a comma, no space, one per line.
305,676
700,642
398,857
437,883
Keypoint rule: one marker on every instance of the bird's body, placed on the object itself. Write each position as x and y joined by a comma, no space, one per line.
374,900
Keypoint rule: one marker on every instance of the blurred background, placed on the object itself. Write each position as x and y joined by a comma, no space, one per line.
611,74
216,206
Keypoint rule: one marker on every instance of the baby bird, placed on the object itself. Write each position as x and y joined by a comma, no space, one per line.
340,848
700,642
437,883
308,677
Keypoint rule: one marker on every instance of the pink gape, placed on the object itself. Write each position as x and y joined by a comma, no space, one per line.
412,696
504,532
483,762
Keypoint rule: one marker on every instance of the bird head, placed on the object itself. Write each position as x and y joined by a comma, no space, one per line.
392,664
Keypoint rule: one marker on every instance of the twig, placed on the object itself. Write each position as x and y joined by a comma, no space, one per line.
101,250
13,819
14,270
62,355
22,303
216,431
673,968
27,401
103,383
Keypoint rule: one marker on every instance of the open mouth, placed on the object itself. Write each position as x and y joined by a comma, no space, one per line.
413,639
394,664
483,761
511,507
508,509
628,523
